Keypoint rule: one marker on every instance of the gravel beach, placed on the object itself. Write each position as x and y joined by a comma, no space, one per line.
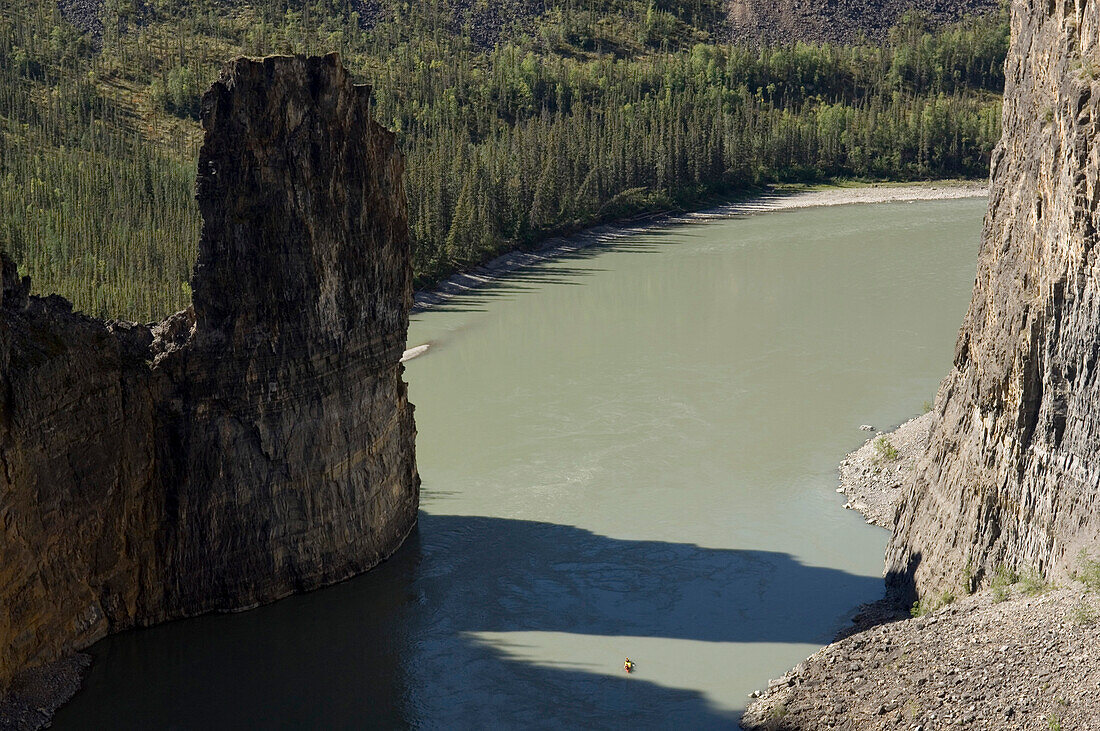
872,477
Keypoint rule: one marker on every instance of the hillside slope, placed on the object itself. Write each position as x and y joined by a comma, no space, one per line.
836,21
520,121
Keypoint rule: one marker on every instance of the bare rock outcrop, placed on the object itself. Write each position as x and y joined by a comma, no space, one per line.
836,21
1012,473
256,445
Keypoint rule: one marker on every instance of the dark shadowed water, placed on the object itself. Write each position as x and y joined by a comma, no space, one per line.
629,452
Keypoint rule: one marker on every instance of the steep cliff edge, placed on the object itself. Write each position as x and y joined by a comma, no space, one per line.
259,443
1012,473
1011,476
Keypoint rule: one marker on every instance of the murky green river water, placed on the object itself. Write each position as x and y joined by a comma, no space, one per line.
629,452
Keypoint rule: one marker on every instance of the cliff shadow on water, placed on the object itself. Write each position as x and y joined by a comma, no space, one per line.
414,643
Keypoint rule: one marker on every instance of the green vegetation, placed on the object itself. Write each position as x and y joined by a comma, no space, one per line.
885,451
1032,582
931,604
1003,579
1084,614
777,712
1088,571
590,111
968,576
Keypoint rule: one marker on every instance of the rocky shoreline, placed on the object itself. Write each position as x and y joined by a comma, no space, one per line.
1021,662
37,693
1016,656
872,476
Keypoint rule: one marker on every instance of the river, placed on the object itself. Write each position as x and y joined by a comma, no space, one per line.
630,451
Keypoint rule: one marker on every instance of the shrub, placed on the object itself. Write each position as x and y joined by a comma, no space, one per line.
931,604
1088,571
1083,614
968,577
1003,578
885,451
1032,582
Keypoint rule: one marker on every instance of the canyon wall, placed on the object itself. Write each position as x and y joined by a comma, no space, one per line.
1012,475
259,443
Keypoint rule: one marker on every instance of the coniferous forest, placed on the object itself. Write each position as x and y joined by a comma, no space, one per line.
576,112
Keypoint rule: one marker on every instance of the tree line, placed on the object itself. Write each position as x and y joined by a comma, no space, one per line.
580,112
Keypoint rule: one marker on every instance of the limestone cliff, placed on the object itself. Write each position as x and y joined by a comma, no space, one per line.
258,444
1012,474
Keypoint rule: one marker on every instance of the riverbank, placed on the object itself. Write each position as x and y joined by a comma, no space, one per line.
781,198
872,476
36,694
1013,657
1017,660
788,577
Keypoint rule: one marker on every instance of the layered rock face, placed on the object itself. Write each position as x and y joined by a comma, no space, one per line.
258,444
1012,474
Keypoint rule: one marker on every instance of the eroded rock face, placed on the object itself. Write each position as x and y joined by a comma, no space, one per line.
258,444
1012,474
